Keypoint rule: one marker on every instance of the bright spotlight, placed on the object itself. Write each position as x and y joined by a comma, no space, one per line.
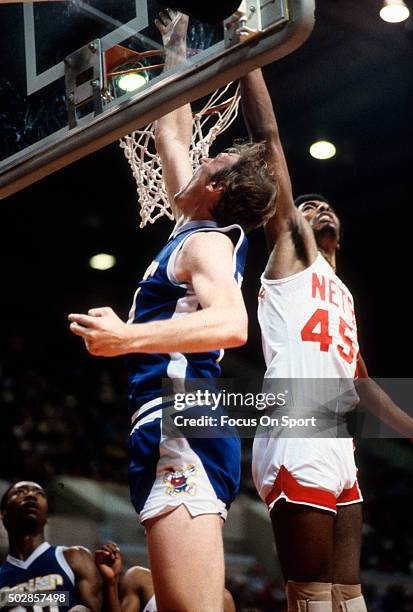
132,81
322,150
394,11
102,261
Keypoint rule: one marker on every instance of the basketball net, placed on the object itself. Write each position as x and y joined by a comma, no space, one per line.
139,149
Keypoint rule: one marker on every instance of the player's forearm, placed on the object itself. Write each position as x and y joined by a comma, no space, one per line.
110,592
176,125
262,126
376,401
257,108
205,330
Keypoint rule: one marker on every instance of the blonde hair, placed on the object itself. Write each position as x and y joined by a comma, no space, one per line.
250,189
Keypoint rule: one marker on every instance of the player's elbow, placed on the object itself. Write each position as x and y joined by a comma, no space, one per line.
236,331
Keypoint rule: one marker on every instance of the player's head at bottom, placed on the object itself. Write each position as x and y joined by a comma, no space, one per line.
24,508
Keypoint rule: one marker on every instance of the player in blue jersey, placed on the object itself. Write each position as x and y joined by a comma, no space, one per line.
35,568
186,310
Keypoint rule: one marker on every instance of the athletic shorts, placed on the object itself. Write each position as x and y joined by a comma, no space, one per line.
317,472
165,472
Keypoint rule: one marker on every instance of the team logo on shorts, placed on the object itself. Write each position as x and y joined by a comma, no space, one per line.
178,481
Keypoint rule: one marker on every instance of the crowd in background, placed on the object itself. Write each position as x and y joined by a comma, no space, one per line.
68,415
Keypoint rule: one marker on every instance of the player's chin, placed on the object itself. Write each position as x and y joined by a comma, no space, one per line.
326,228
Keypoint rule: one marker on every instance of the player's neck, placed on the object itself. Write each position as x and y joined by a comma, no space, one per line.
197,215
329,256
196,209
22,545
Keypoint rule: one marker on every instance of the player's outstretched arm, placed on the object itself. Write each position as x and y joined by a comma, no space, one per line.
376,401
108,561
287,222
205,261
88,582
173,132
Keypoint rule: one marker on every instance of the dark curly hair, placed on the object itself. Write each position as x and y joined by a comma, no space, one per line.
250,189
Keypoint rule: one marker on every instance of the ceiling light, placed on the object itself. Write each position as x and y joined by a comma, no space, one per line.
102,261
322,150
394,11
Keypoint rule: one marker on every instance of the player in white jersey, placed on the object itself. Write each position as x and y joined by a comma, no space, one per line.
309,331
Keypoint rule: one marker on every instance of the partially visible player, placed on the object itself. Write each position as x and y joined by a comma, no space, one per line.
33,565
135,586
308,325
187,308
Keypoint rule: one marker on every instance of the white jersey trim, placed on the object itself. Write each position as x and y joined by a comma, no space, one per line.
144,407
170,269
62,561
152,416
24,564
151,605
301,503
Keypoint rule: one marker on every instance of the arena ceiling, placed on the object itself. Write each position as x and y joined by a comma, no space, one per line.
352,82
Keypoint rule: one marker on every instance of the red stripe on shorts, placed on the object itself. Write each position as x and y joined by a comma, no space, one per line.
348,496
295,492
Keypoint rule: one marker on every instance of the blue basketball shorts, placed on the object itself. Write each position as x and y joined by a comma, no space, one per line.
203,473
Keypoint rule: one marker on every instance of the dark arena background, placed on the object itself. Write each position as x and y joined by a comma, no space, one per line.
63,417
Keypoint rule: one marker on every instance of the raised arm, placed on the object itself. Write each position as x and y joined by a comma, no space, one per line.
287,221
262,126
173,132
108,561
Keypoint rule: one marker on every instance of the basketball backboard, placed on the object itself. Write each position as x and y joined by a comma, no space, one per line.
62,95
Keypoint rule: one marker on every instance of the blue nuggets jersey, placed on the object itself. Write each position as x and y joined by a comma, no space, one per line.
159,296
45,570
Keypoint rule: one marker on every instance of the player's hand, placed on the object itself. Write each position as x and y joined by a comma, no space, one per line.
173,26
108,560
103,332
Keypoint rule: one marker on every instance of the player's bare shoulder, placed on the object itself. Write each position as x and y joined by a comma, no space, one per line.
78,557
199,241
293,250
137,578
204,251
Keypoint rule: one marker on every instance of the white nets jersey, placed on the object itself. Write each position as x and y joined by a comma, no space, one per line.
308,332
308,325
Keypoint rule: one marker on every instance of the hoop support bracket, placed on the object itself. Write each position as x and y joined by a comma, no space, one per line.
252,17
85,80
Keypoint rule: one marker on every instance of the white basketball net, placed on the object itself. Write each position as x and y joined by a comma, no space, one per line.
139,148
